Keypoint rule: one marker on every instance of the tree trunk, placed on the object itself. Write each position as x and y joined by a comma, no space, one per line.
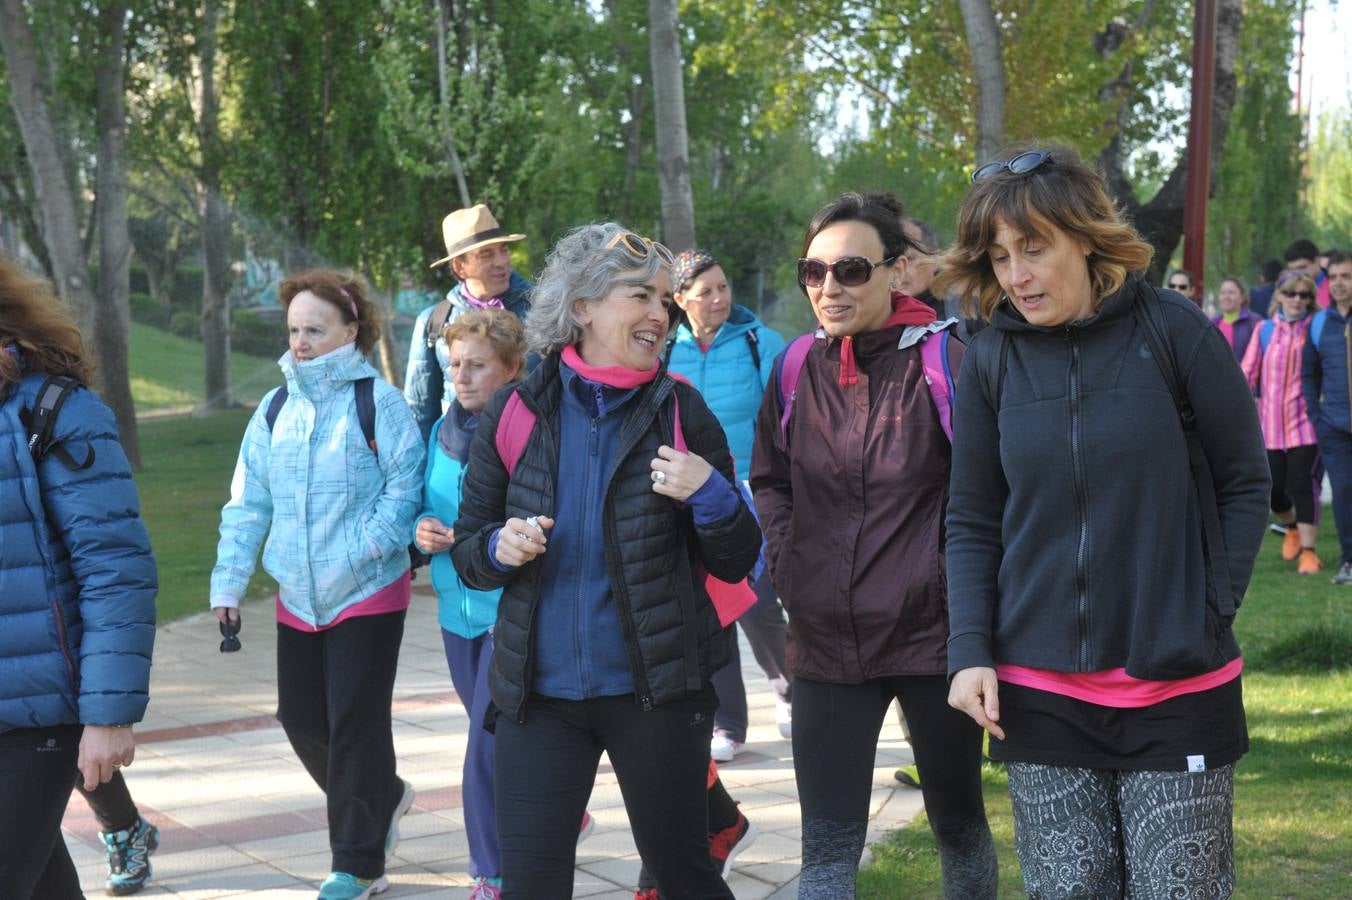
389,353
215,224
988,65
113,311
30,91
1160,220
673,150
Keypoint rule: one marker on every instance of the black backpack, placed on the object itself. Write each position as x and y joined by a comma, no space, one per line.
41,423
366,416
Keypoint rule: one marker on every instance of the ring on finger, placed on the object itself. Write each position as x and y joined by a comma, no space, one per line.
659,477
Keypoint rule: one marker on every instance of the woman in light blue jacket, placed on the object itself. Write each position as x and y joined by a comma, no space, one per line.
330,473
487,350
729,356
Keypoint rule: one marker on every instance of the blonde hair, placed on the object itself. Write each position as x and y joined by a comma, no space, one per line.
347,292
1293,276
1063,192
37,322
499,327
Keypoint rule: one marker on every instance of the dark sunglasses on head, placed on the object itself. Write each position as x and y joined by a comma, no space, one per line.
1018,165
1304,295
850,271
641,247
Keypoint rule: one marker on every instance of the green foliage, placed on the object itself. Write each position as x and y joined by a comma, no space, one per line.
166,369
147,311
186,324
255,335
1330,191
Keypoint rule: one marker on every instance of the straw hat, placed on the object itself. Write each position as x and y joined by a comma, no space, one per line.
468,229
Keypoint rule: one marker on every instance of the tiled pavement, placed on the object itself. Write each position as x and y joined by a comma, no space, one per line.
238,815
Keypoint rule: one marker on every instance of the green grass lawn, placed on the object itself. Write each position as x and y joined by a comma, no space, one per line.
1293,791
184,481
166,372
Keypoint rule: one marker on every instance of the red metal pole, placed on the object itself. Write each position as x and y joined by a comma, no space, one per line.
1199,141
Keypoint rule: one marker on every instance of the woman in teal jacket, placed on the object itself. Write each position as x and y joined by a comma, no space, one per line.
336,508
729,356
487,350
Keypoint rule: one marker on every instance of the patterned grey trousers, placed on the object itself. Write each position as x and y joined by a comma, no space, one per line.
1100,833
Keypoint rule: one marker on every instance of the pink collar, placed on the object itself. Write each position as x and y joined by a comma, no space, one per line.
611,376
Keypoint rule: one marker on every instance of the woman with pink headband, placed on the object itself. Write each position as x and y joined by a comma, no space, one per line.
331,474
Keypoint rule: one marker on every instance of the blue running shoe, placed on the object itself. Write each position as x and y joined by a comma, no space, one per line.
129,857
342,886
392,836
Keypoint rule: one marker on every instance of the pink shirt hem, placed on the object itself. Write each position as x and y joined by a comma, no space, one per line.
1114,687
394,597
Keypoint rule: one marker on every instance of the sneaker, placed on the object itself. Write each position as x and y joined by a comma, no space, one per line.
1309,562
908,776
784,719
342,886
728,843
486,889
1291,544
1344,575
586,828
392,836
129,857
1277,528
649,894
724,749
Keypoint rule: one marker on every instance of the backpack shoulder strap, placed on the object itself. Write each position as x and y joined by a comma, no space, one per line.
939,377
1317,327
1149,312
790,368
514,428
671,348
41,422
366,410
753,344
1265,334
437,321
275,407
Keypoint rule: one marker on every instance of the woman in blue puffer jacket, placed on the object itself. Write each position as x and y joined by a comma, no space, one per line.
77,591
337,509
487,350
729,356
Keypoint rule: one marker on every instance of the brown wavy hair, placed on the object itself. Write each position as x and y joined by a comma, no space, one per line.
499,327
346,291
36,321
1064,192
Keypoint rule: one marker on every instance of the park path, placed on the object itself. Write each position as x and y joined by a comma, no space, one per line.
239,816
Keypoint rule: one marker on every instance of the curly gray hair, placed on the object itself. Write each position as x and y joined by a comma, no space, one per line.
578,269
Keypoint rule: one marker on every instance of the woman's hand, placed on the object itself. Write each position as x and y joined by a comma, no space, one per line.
976,691
104,749
520,541
432,536
222,612
678,475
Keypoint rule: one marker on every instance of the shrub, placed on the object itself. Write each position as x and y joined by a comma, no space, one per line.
146,310
186,292
186,324
255,335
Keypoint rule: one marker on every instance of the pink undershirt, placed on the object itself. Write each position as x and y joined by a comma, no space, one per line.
1114,687
394,597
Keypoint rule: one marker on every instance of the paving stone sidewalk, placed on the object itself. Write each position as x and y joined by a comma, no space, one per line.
238,815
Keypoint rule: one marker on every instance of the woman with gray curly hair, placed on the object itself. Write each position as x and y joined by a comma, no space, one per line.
607,637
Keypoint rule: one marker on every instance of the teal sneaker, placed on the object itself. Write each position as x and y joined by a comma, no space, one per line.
392,836
342,886
129,857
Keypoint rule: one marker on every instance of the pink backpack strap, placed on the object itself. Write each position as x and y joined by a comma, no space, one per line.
939,377
514,428
790,368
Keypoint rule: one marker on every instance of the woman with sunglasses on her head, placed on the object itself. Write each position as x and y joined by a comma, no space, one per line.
1092,578
606,638
1273,366
336,507
851,488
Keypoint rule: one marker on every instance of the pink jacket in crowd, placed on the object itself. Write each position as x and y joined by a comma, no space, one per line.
1272,366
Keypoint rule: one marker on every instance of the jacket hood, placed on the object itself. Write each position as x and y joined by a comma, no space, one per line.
1008,318
318,377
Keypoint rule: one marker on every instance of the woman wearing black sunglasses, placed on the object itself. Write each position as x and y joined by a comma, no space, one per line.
850,475
1109,493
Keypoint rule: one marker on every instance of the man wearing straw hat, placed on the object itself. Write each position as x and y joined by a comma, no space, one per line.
477,249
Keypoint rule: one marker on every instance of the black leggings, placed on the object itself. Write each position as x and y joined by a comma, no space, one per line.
111,803
545,767
1296,477
835,742
37,772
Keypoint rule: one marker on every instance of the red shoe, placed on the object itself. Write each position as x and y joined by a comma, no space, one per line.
1291,543
649,894
586,828
1309,562
728,843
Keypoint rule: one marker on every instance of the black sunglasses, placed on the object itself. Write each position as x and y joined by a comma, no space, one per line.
230,633
1180,286
850,271
1019,165
1304,295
